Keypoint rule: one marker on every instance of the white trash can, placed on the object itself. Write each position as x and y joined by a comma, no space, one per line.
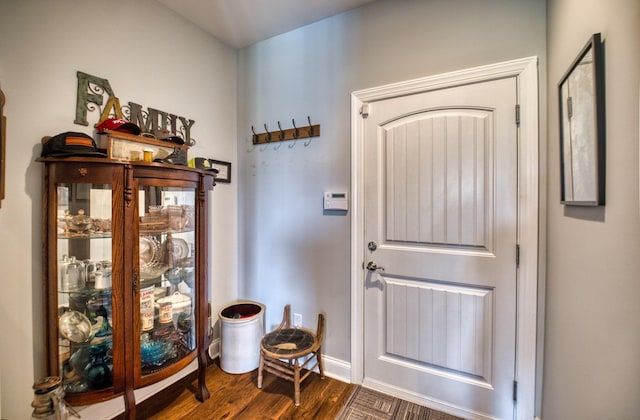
241,329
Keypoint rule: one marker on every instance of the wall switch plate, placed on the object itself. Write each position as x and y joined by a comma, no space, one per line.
297,320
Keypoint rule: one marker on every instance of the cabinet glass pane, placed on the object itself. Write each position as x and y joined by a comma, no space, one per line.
84,253
167,270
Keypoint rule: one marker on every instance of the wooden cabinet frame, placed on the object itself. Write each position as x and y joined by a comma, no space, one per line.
125,178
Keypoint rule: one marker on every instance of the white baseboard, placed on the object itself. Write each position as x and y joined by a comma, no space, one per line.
214,348
337,369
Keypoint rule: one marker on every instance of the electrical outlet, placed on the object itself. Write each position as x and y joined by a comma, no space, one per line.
297,320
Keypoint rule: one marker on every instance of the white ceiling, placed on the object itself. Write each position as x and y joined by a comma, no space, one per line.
240,23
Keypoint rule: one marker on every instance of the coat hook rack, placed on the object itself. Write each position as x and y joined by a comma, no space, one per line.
286,134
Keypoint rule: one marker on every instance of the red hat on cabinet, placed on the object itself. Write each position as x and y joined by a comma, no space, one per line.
118,124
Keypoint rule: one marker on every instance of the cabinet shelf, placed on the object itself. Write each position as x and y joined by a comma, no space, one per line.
86,291
84,235
164,232
100,341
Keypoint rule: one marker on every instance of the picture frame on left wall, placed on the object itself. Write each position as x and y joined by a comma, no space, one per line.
224,170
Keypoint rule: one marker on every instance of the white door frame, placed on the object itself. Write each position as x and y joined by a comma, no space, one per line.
526,72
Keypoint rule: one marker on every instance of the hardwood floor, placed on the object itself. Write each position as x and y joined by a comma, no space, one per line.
238,397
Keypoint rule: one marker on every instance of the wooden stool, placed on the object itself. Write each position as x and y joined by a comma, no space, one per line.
281,349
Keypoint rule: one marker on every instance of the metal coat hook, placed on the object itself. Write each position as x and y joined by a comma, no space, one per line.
268,133
296,132
281,132
310,126
255,135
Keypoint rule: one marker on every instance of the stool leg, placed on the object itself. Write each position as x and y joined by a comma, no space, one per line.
260,367
320,363
296,382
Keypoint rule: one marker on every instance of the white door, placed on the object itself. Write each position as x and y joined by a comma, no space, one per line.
440,219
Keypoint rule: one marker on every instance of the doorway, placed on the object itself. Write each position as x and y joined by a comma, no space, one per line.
445,246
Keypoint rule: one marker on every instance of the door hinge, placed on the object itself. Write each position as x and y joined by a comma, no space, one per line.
517,255
364,110
515,390
517,115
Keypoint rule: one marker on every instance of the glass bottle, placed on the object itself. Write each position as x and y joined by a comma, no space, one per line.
98,371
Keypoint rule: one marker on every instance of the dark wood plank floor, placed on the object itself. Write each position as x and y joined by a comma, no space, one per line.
238,397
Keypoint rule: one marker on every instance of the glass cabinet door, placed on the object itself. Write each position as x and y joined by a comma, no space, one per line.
84,281
167,289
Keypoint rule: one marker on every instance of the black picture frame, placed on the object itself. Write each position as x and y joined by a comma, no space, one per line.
582,128
224,170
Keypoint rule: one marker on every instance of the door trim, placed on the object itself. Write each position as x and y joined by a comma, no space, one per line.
526,72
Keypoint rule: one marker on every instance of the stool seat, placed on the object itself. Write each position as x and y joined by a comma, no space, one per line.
288,342
281,349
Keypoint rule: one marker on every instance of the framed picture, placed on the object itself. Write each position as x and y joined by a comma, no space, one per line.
582,128
224,170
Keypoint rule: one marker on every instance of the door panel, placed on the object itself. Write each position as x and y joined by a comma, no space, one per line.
440,202
436,186
453,327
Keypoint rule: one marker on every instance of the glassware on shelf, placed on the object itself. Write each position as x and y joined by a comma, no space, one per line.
105,328
98,302
188,217
80,223
102,280
98,371
155,221
101,225
174,277
72,274
156,352
73,369
176,221
75,326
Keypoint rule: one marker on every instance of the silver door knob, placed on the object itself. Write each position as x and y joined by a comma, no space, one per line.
372,266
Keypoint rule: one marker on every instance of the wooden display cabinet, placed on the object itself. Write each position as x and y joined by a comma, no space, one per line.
125,275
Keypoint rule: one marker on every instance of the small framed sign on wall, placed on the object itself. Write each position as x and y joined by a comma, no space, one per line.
224,170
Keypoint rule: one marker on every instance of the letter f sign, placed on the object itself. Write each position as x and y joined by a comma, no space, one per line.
88,94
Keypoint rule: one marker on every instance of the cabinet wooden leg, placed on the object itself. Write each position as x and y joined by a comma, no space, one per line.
202,394
129,404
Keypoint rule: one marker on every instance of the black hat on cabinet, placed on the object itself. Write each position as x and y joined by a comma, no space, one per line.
168,136
71,144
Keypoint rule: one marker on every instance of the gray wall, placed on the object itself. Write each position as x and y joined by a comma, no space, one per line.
592,368
150,56
289,250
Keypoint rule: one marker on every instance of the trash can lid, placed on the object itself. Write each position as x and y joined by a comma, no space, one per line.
241,310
